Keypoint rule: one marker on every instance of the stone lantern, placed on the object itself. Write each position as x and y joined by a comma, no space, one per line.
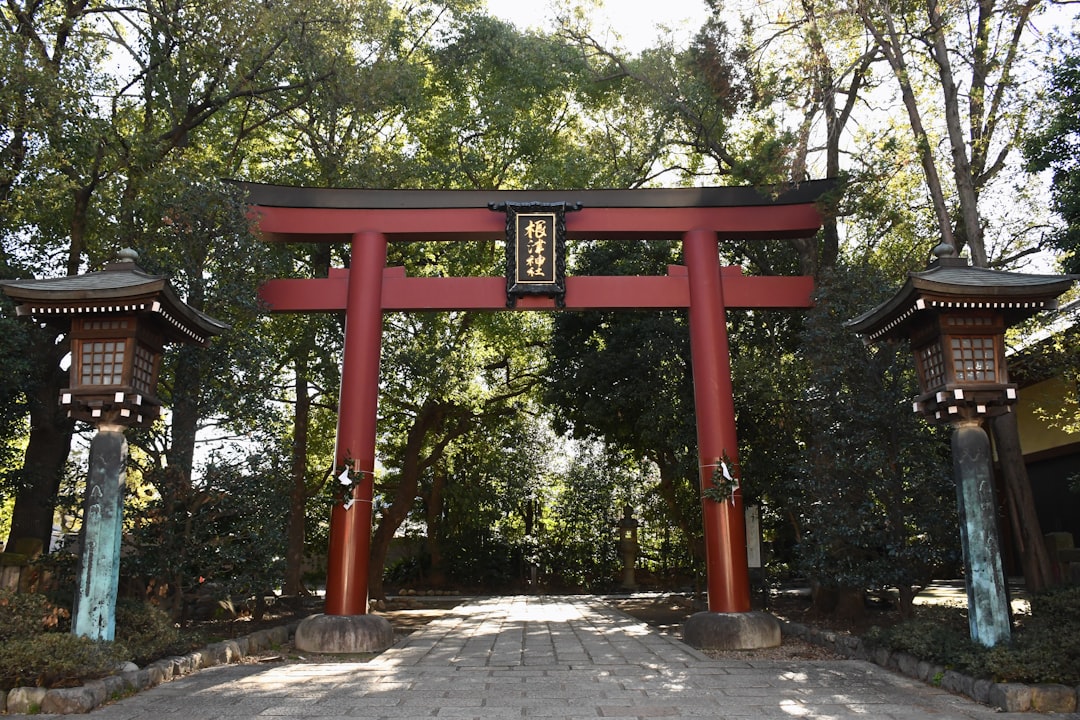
118,321
955,317
628,547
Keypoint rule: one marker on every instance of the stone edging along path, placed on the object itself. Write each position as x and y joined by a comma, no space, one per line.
1009,697
66,701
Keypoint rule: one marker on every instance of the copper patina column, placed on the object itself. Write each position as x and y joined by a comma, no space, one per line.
350,529
725,531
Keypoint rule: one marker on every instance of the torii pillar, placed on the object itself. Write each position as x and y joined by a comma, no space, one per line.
345,625
699,216
729,624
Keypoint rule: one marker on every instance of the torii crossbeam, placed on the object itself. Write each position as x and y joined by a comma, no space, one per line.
699,217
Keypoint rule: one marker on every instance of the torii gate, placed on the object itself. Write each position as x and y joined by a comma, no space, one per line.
369,219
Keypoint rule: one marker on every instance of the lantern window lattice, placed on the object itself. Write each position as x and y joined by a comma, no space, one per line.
974,359
932,363
101,362
144,373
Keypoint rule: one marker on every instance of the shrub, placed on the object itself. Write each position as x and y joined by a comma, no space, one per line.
1045,646
56,660
148,633
29,614
37,647
936,634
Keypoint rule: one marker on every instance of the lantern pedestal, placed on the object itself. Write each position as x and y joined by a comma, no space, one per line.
344,634
988,604
94,614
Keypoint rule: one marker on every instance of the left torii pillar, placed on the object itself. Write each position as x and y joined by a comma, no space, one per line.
345,625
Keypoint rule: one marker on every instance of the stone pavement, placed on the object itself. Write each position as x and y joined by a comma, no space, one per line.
545,657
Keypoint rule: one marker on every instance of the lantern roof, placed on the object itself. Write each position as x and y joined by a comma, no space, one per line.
121,287
952,284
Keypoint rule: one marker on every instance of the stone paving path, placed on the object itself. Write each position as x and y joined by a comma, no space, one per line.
545,657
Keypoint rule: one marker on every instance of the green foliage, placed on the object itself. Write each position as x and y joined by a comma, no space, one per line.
27,614
877,504
218,541
147,632
578,546
37,647
937,634
56,660
1055,145
484,561
1045,647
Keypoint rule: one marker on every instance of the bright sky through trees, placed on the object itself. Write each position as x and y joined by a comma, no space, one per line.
637,22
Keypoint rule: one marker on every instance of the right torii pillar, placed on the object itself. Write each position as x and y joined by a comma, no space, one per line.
729,624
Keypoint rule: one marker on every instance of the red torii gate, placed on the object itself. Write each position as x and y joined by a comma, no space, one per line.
369,219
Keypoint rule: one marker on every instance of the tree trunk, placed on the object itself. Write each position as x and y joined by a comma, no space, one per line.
187,384
965,184
888,42
695,544
46,454
845,603
430,416
294,550
1038,572
435,503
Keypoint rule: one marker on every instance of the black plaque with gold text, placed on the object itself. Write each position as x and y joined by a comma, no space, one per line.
535,249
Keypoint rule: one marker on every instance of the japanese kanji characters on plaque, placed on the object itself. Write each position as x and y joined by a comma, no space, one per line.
535,249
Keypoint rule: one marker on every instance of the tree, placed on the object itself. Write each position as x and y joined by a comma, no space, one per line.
977,46
1054,145
876,500
625,378
106,99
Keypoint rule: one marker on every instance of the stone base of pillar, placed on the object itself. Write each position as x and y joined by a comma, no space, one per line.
731,631
344,634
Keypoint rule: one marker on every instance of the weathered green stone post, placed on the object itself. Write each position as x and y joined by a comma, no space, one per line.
94,614
117,321
988,602
955,316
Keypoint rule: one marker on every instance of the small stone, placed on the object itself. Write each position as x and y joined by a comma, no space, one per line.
881,656
907,664
68,701
25,700
167,668
1053,699
848,644
243,647
958,683
114,686
1010,697
154,676
279,635
981,691
185,664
